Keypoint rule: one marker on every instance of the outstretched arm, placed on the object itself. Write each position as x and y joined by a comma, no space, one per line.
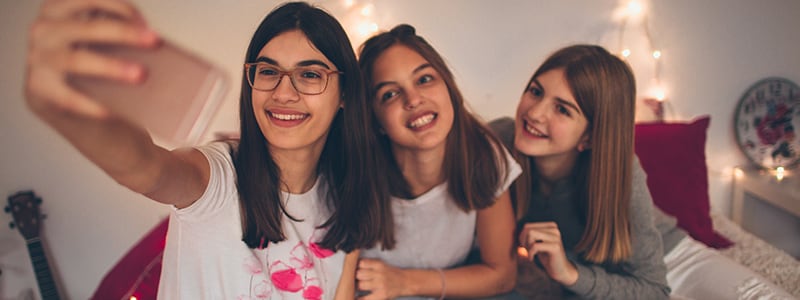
124,151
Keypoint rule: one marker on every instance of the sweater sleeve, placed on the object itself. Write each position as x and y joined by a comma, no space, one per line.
503,128
643,275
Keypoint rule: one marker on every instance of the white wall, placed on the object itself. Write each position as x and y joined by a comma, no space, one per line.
713,50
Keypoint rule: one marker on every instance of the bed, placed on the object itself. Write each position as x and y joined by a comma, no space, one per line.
672,154
758,255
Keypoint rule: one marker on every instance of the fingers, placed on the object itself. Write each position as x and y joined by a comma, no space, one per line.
367,273
539,232
371,278
540,238
62,97
105,21
63,9
57,50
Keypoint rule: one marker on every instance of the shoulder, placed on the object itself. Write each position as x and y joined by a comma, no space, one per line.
503,128
640,193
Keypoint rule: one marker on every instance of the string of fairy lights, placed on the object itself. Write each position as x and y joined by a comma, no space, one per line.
633,16
359,17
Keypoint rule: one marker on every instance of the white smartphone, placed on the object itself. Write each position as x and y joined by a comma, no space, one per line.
176,101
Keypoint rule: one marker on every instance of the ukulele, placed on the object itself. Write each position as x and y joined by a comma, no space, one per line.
24,207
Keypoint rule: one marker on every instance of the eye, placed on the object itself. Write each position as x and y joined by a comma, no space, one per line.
425,79
309,74
535,91
266,70
563,110
387,95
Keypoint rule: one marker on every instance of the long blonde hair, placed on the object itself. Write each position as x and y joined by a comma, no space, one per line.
605,89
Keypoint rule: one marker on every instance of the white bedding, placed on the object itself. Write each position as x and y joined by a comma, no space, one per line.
758,255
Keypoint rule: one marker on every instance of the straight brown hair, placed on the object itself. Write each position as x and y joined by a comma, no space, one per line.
347,164
605,89
474,160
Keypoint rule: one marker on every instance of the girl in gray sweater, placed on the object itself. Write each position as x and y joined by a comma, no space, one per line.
576,216
584,211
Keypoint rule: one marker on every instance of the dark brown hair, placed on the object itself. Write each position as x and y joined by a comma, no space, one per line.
605,89
474,162
347,163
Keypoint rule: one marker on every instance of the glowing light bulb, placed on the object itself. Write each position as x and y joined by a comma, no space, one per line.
634,8
521,251
660,95
657,54
626,53
779,173
133,298
738,172
366,10
367,28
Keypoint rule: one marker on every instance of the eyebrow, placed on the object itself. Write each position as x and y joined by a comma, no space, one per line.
558,99
305,63
415,71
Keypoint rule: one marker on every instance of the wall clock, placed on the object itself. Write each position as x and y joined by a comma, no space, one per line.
766,122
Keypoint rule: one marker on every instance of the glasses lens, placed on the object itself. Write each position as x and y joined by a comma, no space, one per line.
263,77
309,80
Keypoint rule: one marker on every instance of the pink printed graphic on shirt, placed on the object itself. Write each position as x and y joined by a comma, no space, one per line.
285,279
312,292
262,289
300,258
252,265
316,249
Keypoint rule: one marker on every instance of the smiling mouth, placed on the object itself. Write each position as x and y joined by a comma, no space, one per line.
287,117
422,120
533,131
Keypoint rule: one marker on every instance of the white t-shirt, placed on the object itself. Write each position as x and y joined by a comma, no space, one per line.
205,257
431,231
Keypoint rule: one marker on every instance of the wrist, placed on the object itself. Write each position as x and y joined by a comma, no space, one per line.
570,276
443,281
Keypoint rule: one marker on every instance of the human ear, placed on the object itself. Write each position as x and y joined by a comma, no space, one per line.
584,143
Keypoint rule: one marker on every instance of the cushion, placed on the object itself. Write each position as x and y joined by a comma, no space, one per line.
137,273
673,156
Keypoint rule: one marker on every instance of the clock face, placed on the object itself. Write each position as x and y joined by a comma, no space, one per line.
766,120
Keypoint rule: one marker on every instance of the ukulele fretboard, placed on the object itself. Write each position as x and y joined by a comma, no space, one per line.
47,286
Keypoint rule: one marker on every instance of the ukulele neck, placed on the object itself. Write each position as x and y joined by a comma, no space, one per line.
47,286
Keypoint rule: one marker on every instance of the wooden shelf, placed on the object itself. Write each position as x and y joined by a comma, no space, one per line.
763,184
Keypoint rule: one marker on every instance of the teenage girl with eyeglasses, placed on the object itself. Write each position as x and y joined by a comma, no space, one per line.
279,213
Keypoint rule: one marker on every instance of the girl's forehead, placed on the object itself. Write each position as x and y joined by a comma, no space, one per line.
290,48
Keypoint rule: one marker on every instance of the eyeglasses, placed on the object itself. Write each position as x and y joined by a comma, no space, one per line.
311,80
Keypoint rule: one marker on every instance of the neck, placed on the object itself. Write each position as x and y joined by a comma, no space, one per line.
553,169
298,168
422,169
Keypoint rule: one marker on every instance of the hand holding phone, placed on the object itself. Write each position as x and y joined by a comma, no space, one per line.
176,101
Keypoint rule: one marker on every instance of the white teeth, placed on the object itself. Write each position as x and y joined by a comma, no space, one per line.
287,117
422,121
533,131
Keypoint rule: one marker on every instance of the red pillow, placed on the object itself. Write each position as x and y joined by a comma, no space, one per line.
673,156
137,273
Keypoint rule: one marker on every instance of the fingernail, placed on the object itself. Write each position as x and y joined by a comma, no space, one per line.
150,37
135,73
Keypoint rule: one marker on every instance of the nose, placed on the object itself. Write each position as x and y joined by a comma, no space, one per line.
537,111
412,98
285,92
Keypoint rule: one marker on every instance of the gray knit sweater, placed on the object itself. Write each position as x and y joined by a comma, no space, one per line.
643,275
